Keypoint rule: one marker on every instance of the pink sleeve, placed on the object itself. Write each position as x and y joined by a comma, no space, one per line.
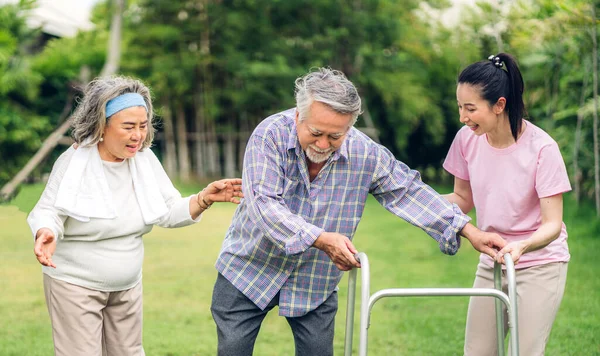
455,162
551,175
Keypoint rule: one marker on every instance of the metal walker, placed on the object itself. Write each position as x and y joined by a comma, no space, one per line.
368,300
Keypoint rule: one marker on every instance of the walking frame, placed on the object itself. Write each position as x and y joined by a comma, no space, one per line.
368,300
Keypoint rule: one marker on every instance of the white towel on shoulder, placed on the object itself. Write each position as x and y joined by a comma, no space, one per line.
84,192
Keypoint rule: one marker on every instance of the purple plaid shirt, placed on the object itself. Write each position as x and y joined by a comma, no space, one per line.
268,247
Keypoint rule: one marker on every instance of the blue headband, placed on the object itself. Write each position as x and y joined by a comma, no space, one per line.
123,102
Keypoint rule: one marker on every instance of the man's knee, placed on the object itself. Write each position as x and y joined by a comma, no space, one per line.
313,333
319,346
235,345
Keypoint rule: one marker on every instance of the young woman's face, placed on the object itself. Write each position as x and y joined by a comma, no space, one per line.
124,134
474,111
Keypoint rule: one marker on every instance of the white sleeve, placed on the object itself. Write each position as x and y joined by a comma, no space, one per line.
179,208
44,214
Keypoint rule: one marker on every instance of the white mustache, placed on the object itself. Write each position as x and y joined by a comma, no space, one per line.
316,149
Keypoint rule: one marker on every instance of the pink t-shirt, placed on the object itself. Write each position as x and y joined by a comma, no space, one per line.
507,185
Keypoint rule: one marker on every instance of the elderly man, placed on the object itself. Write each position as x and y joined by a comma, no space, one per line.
307,174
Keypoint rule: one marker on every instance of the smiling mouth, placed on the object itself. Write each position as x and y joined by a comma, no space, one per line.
319,151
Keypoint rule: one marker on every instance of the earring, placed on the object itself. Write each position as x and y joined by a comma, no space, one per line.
101,139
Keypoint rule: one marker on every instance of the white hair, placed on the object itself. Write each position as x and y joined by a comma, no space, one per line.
330,87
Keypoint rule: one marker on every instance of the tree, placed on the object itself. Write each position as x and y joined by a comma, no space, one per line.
594,35
48,145
20,125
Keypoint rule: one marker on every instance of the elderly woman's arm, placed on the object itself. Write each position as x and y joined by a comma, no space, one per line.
224,190
186,211
45,221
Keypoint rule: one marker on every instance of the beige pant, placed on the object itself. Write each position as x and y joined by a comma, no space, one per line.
87,322
539,292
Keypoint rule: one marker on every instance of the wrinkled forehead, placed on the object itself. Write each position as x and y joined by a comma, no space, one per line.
324,119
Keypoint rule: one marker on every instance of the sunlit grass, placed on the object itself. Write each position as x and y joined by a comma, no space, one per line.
179,276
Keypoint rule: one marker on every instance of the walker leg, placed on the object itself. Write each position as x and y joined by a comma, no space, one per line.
499,314
513,320
365,295
350,312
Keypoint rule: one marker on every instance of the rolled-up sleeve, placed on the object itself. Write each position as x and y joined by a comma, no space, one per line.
402,192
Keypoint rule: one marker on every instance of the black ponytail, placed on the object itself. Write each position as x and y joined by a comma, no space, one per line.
499,77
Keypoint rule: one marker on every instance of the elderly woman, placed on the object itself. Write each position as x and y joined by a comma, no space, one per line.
103,195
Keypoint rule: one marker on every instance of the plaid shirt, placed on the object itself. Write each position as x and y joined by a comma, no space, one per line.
268,247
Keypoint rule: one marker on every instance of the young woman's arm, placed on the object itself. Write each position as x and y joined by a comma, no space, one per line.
549,230
462,195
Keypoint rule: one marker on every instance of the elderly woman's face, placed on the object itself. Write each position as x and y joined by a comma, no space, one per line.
124,134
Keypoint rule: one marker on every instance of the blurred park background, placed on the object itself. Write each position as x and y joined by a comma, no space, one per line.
218,67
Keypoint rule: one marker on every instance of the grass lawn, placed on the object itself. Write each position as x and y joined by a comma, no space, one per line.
179,275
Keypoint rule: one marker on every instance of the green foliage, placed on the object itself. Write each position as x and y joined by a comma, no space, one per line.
35,83
257,48
553,40
232,63
19,137
20,124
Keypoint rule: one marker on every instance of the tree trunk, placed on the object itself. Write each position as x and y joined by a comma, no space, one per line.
201,97
113,55
199,147
370,129
243,136
213,167
212,150
553,90
182,143
595,83
170,152
577,143
230,160
47,147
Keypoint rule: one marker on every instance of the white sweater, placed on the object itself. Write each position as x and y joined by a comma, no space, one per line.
105,254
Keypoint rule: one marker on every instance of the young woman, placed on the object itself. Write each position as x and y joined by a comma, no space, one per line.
512,172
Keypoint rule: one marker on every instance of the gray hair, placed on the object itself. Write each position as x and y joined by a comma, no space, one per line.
330,87
89,119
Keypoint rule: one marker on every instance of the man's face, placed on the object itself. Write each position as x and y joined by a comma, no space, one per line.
322,132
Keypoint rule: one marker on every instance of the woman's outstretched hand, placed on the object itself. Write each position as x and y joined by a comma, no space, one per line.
224,190
45,245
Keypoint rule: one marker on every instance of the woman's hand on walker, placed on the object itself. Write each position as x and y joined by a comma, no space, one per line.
516,249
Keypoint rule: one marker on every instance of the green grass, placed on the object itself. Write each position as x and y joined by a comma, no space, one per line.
179,276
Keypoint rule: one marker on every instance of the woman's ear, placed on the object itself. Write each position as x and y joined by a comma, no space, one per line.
500,105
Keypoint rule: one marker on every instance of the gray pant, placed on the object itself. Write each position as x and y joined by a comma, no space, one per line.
238,321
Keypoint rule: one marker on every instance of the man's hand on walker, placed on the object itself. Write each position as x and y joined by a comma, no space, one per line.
339,248
486,242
